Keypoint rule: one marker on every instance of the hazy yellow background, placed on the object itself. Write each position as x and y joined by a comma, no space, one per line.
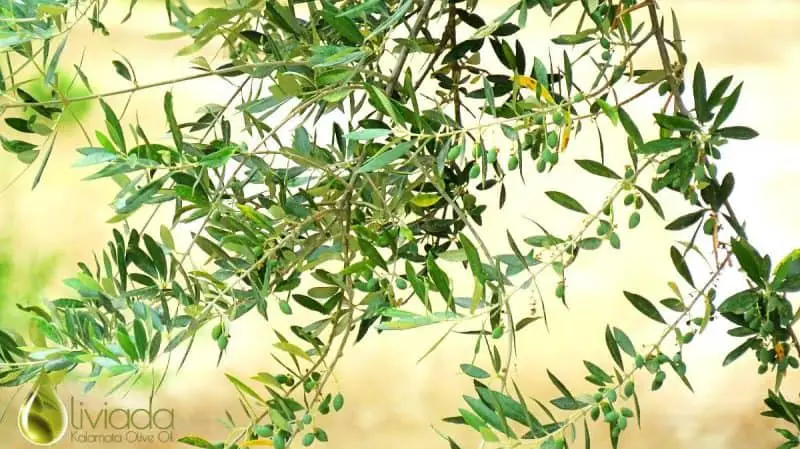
390,400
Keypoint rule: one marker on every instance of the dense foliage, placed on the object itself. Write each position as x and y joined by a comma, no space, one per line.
360,188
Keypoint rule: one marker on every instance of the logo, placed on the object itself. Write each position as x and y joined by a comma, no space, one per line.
44,420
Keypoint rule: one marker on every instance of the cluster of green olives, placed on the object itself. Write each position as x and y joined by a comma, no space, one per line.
604,403
653,364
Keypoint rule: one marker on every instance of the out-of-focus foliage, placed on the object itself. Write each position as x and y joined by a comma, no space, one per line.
21,283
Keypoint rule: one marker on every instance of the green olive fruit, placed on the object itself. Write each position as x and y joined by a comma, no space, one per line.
628,389
491,156
634,220
513,162
475,171
454,152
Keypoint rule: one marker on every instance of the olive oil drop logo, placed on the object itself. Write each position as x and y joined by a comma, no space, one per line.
43,418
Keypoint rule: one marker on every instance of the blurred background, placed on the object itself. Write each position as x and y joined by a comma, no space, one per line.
391,401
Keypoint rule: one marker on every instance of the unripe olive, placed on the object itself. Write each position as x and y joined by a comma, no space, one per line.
541,165
475,171
628,199
321,435
629,389
656,384
622,422
401,283
454,152
614,240
611,395
497,332
595,413
603,228
629,173
279,441
558,118
338,402
264,431
216,332
605,43
606,55
639,361
513,162
491,156
552,139
222,342
285,307
634,220
308,439
611,416
598,397
626,412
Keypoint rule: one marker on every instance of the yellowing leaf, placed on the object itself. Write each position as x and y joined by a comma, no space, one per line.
530,83
252,443
565,132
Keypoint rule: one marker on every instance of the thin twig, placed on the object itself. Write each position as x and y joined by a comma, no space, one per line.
67,101
662,50
401,60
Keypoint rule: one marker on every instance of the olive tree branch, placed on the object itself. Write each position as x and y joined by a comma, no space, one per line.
581,413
